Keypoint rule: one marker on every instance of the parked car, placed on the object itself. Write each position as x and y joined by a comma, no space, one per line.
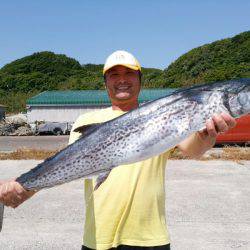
240,134
54,128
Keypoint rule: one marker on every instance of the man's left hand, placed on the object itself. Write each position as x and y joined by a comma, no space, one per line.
198,143
220,123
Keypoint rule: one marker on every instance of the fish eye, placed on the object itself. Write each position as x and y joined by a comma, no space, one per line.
243,99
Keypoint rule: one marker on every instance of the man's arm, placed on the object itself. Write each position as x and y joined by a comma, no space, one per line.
198,143
12,194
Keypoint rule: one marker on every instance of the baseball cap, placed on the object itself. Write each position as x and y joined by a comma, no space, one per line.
121,57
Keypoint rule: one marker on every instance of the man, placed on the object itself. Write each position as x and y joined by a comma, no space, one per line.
128,210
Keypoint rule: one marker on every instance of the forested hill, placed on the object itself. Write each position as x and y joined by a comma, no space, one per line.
48,71
220,60
25,77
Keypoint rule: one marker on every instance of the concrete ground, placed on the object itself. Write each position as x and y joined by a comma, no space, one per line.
48,142
12,143
207,203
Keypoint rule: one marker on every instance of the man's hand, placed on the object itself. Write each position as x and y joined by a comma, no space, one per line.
198,143
12,194
218,124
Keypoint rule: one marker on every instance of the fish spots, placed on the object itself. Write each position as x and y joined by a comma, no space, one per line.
108,143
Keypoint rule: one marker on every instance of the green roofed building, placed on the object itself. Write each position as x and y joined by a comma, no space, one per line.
66,106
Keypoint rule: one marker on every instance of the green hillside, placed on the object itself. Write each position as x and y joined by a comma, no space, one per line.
43,71
225,59
220,60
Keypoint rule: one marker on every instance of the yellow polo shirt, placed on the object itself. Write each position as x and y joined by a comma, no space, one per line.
129,207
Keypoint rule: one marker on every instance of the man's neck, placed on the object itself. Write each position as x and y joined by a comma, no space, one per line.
125,106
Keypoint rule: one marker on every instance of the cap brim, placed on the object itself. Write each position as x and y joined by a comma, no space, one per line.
125,65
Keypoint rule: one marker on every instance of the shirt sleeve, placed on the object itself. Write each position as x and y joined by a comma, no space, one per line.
84,119
75,135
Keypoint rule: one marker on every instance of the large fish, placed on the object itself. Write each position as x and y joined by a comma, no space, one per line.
140,134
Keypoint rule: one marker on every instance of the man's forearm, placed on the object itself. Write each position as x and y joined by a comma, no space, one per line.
198,143
195,146
13,194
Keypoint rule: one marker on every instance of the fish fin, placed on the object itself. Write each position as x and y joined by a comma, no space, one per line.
101,178
1,216
87,129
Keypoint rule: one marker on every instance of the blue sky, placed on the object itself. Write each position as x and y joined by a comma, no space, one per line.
156,32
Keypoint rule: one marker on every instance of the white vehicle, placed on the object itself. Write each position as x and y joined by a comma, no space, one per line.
54,128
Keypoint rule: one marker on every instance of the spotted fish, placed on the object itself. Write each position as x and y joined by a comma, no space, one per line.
140,134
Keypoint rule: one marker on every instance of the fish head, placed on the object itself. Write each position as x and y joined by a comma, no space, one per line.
238,96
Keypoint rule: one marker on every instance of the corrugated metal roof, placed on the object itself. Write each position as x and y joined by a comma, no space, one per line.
89,97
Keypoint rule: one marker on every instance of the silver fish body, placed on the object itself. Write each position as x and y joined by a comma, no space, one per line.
141,133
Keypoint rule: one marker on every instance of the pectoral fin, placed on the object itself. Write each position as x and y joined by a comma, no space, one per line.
87,129
101,178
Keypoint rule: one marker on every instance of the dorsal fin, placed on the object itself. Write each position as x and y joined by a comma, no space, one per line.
87,129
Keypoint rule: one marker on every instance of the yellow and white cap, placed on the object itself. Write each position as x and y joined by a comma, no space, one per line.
121,57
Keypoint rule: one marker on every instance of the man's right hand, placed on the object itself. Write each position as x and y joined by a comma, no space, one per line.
12,194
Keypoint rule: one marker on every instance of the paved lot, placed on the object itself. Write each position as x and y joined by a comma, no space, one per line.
208,207
12,143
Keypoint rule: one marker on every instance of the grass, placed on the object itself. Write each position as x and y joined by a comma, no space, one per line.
27,154
227,153
233,154
230,153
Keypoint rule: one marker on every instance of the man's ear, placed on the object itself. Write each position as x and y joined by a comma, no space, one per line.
105,85
140,77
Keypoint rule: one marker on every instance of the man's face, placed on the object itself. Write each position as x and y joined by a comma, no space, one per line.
123,84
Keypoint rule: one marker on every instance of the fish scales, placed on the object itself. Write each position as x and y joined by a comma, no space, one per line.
141,133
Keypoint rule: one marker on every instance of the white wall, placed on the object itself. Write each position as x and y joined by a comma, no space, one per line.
57,113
